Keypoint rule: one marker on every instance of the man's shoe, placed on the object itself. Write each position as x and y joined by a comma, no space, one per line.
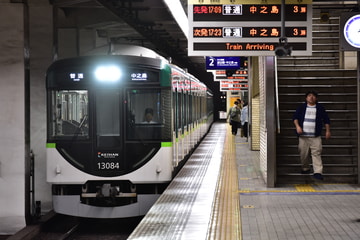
305,171
318,176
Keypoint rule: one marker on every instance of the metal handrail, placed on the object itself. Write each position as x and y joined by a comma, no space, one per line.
277,97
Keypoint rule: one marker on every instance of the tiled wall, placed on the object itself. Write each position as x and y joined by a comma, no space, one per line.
263,132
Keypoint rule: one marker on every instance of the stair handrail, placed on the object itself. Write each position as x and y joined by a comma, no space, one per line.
277,97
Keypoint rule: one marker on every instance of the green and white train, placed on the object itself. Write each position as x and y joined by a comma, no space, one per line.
119,127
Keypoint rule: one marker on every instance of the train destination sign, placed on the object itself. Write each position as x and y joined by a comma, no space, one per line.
247,29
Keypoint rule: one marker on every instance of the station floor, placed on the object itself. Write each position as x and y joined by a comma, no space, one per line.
303,211
220,195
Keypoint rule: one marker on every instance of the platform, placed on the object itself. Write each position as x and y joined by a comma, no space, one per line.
220,194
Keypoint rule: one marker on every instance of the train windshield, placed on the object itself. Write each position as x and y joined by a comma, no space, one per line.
145,114
70,113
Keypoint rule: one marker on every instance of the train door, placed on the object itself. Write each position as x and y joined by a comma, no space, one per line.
108,140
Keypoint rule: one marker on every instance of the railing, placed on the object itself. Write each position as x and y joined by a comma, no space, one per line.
277,97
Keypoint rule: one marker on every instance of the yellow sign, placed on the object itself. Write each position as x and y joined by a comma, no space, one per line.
220,2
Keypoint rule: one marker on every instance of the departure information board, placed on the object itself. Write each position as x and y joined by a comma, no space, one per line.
233,86
231,28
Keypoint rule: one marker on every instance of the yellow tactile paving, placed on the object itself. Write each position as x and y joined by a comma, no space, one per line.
304,188
301,188
226,223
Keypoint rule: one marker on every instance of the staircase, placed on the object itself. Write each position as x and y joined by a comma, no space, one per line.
337,92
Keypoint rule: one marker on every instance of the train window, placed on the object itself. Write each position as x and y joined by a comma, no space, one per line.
107,118
180,112
69,113
145,113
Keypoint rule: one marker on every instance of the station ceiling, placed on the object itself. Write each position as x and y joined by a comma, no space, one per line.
147,23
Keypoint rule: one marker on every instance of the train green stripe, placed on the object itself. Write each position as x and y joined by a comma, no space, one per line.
51,145
166,144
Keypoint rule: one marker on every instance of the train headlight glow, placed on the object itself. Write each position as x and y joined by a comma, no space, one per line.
108,73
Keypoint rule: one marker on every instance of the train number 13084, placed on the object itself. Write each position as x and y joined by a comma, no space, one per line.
108,165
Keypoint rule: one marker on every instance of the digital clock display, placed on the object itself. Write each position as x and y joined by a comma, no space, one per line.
251,12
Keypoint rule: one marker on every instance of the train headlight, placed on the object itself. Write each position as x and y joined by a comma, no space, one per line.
108,73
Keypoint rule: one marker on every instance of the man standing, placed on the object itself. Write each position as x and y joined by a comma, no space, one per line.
234,115
244,119
309,119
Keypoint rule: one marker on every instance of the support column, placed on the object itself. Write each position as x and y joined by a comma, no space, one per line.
12,118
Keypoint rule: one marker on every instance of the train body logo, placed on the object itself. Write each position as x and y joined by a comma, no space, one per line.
107,155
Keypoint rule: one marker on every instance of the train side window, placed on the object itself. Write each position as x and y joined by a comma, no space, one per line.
69,113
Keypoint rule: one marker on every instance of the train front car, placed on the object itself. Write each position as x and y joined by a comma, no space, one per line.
109,134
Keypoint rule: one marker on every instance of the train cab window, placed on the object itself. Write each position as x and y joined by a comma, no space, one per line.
145,114
69,113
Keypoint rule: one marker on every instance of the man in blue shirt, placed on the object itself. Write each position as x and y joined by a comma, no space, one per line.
308,120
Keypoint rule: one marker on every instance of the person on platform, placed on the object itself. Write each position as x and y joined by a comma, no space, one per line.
234,115
309,119
245,120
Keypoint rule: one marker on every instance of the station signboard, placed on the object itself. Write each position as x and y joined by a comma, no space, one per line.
239,75
233,86
223,63
247,28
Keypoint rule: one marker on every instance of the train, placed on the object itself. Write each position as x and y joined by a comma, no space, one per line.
119,128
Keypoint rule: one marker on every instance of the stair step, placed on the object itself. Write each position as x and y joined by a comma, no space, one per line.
327,165
326,51
322,94
319,86
325,38
318,31
322,102
335,128
324,174
332,137
324,146
325,44
323,155
330,111
307,65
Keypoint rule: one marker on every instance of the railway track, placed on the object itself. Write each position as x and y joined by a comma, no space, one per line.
61,227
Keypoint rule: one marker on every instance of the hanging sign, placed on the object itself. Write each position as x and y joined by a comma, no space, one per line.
247,28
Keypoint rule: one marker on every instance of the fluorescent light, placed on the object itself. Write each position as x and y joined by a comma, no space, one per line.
178,13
